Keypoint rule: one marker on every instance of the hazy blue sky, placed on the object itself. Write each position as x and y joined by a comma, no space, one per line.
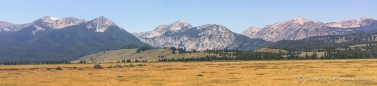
146,15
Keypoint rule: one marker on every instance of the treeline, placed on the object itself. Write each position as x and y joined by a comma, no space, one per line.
368,51
34,63
241,55
336,41
206,58
180,50
139,48
129,60
121,61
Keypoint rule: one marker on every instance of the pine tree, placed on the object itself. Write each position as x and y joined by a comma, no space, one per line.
306,56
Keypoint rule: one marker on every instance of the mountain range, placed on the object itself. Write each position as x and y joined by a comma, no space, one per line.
51,39
209,36
300,28
43,23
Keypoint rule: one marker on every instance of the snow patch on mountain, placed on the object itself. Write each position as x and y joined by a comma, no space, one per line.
53,18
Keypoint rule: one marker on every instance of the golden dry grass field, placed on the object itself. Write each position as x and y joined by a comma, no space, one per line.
239,73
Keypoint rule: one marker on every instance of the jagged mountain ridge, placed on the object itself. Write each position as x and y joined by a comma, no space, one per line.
177,26
68,43
251,31
354,23
300,28
210,36
6,26
43,23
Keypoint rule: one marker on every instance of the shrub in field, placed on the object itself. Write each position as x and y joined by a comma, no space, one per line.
117,66
141,65
48,68
97,66
131,65
74,67
111,66
199,74
58,68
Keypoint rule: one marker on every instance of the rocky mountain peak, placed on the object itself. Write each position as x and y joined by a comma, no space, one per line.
213,29
365,18
179,25
103,20
4,25
300,28
48,22
181,22
294,29
47,19
57,23
4,22
299,20
7,26
354,23
253,28
251,31
100,24
64,22
208,36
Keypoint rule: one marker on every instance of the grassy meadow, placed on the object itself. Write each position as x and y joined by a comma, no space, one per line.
152,55
124,54
238,73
